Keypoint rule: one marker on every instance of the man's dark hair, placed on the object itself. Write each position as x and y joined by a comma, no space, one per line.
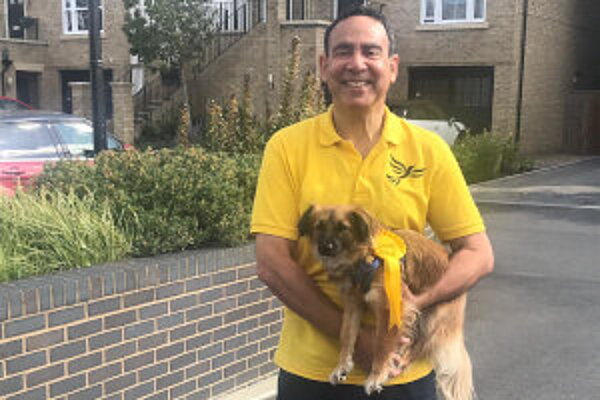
360,10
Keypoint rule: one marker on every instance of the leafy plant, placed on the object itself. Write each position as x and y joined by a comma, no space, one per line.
50,231
172,33
488,155
169,199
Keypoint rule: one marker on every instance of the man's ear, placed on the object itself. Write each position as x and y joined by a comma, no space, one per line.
360,226
323,67
306,222
394,62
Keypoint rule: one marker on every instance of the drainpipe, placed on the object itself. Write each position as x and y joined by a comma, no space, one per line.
521,69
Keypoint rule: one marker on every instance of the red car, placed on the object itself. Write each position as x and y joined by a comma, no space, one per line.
29,139
10,104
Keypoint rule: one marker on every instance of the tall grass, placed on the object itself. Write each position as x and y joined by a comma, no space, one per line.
48,232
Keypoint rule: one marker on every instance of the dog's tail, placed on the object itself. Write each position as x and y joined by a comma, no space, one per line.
454,371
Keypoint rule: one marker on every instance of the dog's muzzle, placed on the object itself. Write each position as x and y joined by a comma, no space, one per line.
328,248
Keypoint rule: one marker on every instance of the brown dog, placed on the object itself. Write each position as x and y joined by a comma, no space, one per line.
341,237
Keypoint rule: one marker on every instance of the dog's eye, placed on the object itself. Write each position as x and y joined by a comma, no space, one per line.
341,227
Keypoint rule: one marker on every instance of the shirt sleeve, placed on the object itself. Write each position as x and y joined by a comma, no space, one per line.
452,211
275,210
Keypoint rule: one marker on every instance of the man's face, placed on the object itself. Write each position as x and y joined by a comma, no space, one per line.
358,70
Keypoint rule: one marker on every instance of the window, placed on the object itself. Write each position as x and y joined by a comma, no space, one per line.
449,11
75,16
295,9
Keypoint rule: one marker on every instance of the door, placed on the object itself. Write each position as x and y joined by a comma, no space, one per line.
84,76
28,88
465,93
16,12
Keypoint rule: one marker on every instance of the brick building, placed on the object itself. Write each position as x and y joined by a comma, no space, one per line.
45,46
509,66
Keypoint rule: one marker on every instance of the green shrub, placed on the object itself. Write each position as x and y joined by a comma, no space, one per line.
48,232
235,128
162,132
169,199
488,155
232,129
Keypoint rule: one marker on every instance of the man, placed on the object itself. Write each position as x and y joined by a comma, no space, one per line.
344,156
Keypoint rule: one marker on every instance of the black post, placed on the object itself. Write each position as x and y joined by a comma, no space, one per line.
97,77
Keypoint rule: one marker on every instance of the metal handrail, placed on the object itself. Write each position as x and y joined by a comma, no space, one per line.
234,22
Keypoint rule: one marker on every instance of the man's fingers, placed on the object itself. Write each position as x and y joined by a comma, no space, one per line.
404,340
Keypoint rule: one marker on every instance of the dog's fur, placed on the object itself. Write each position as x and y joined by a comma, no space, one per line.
340,237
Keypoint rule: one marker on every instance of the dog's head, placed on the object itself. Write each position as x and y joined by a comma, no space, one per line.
338,234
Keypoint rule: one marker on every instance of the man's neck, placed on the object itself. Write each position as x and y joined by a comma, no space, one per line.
362,129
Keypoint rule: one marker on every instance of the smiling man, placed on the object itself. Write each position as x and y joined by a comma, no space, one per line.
359,153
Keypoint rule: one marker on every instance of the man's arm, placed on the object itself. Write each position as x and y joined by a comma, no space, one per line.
472,258
288,281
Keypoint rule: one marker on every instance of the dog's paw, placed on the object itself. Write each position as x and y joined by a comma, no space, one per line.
372,386
340,373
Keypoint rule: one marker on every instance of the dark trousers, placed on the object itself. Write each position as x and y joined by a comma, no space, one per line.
293,387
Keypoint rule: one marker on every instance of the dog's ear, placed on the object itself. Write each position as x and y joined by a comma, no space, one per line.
307,220
360,225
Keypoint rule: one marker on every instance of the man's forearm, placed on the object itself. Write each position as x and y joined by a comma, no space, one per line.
294,287
470,261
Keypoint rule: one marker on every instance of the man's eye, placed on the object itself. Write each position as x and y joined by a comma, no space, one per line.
373,53
342,52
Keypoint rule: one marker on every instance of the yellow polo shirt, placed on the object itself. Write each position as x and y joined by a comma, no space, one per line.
409,178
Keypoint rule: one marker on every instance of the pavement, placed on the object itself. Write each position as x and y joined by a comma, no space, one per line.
533,326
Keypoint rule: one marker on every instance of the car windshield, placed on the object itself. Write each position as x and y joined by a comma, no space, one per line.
78,137
10,105
25,140
421,110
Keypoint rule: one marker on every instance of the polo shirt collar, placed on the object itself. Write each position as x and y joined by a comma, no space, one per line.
329,135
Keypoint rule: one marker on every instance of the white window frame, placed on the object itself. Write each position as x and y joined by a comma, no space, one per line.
73,17
437,13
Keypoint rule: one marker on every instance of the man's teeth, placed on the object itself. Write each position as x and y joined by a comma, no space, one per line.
356,83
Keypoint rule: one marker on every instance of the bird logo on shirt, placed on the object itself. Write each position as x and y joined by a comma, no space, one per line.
401,171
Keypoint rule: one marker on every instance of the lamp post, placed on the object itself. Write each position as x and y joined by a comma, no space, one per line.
6,63
97,77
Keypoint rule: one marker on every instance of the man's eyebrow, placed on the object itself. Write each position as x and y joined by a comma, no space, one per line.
348,45
343,46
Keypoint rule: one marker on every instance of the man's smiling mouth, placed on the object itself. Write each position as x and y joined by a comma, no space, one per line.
356,84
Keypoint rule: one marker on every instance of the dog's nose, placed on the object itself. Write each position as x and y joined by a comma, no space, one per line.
327,248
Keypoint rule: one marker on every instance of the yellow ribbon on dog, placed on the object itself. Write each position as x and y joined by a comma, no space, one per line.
391,248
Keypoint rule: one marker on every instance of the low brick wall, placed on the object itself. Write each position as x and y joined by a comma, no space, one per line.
192,325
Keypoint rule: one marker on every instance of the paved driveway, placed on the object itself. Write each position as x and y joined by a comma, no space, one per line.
533,327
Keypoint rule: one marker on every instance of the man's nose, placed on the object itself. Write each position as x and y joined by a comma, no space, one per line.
357,61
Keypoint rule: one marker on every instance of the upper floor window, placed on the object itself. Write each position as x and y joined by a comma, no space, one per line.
75,16
448,11
294,9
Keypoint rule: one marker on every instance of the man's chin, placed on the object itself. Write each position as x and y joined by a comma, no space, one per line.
358,105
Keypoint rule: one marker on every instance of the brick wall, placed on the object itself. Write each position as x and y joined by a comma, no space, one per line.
557,36
192,325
